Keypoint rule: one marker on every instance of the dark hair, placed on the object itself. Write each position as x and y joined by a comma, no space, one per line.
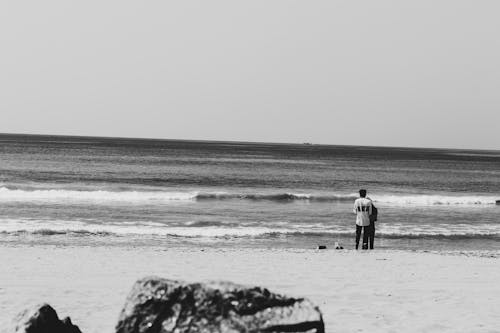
362,193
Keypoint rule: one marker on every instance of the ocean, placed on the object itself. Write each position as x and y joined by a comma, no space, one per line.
85,191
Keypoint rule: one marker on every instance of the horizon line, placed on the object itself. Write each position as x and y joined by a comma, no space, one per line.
305,143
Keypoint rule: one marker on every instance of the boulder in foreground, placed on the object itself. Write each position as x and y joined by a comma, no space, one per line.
43,319
157,305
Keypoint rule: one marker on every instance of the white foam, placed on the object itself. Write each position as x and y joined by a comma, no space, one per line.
94,196
459,229
432,200
159,229
144,228
102,196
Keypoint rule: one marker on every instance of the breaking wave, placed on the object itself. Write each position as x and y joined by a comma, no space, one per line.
275,197
215,230
106,197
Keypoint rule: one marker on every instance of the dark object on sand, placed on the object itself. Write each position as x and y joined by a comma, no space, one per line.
497,202
159,305
321,247
43,319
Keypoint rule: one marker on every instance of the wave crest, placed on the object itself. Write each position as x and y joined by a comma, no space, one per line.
219,230
141,197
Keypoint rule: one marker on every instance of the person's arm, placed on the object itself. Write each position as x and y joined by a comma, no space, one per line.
354,209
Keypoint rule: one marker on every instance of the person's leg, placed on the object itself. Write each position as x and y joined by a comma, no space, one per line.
358,235
366,231
371,240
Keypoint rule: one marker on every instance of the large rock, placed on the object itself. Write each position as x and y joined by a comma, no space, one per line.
43,319
159,305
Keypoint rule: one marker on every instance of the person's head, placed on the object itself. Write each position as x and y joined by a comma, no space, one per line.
362,193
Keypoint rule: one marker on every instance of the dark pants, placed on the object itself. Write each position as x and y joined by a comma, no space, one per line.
366,232
371,235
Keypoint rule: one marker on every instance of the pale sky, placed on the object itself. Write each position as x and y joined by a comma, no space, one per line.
392,73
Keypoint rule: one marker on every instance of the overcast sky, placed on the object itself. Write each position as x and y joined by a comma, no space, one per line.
392,73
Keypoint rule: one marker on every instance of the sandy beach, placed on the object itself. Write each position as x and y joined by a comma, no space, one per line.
378,291
231,140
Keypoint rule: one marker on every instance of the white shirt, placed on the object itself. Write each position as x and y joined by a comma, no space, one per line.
363,210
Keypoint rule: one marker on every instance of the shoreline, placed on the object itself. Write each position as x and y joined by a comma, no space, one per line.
286,242
376,291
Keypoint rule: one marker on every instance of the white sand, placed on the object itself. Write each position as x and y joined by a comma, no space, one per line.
356,291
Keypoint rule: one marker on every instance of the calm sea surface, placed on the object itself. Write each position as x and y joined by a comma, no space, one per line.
84,191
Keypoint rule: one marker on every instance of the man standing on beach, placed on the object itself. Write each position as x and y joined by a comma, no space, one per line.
363,210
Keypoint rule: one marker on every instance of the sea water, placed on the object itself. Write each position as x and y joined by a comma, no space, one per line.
137,192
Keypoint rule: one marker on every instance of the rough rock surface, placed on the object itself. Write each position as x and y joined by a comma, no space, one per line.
43,319
159,305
